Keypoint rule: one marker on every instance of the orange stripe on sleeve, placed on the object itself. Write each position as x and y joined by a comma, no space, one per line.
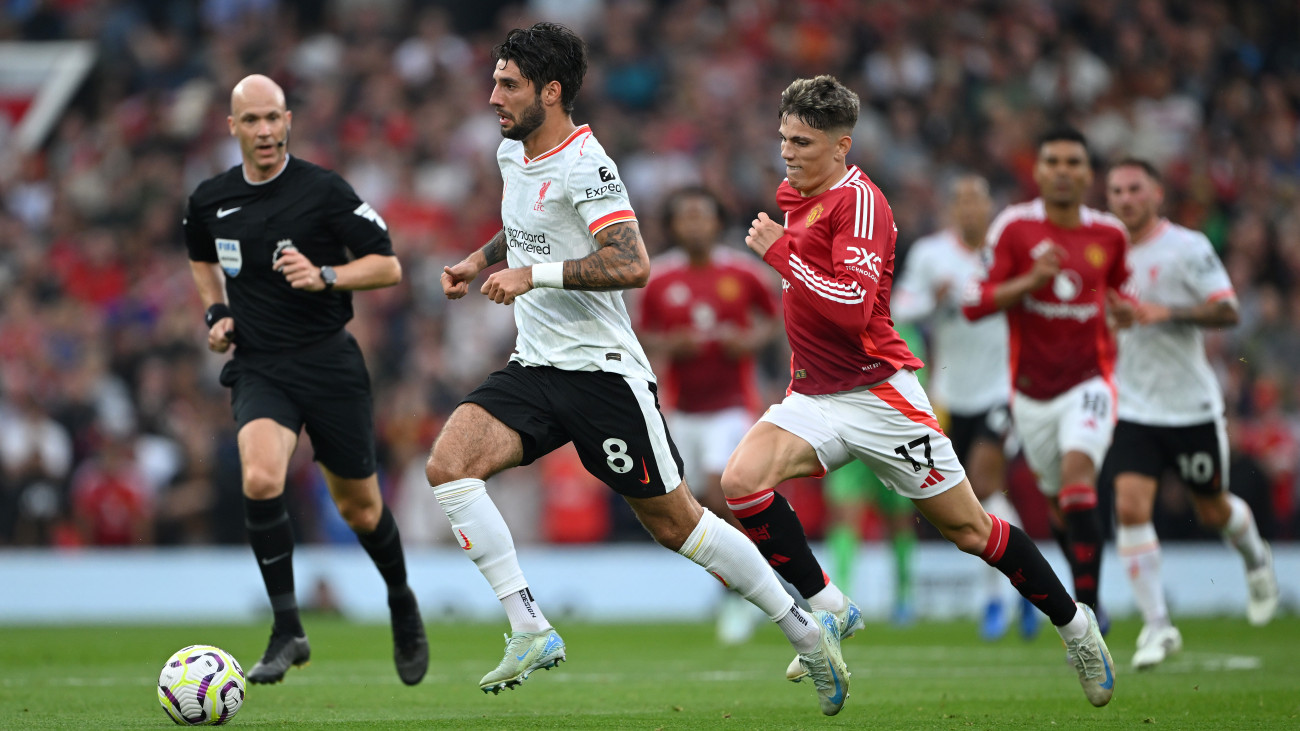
615,217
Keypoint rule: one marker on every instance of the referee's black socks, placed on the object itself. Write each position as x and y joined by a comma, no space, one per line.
384,544
271,536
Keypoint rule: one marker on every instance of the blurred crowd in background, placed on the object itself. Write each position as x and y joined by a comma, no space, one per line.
114,430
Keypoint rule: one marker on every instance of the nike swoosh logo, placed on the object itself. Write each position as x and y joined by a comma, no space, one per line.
269,561
838,698
645,480
1110,678
222,213
463,537
521,657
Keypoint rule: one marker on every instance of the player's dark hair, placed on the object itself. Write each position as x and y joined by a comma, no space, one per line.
544,53
691,191
822,103
1063,134
1144,165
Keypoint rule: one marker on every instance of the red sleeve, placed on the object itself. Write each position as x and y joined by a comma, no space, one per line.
860,245
760,294
649,312
1119,276
977,300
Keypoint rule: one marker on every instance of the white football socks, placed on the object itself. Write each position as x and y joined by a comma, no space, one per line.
1139,549
1242,534
480,530
734,560
1075,628
829,599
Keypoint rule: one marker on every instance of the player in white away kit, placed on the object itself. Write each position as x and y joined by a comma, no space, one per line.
1171,407
578,374
969,373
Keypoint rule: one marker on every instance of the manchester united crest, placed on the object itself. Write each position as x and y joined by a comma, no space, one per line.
1095,255
813,215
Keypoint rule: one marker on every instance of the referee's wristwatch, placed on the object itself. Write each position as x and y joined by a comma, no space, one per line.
328,276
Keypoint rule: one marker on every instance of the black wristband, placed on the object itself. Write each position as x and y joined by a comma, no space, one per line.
217,312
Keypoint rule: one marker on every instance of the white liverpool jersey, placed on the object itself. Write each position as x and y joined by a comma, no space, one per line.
1164,376
551,209
969,362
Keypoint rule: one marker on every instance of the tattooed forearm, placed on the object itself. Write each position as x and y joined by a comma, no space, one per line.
495,250
621,262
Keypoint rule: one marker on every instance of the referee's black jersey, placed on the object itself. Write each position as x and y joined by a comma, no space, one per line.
244,226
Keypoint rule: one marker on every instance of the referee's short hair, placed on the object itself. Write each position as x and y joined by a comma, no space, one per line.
544,53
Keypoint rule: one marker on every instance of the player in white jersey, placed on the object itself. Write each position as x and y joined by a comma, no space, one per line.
578,374
1171,406
970,377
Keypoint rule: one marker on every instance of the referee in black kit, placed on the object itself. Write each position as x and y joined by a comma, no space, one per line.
274,235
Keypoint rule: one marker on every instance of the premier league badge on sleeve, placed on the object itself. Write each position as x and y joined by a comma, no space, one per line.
230,256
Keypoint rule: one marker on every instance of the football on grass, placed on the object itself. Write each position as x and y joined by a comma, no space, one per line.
201,685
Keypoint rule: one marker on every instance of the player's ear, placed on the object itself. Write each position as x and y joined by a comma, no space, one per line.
288,119
842,147
230,122
551,93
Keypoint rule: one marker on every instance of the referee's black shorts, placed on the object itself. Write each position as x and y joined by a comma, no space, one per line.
324,386
613,421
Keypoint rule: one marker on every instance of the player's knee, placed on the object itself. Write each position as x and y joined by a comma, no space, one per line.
739,480
1213,512
440,469
1131,508
261,483
362,516
967,538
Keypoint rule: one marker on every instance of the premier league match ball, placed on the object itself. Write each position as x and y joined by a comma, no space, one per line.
201,685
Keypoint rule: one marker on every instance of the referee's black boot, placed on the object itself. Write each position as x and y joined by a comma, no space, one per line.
284,650
410,645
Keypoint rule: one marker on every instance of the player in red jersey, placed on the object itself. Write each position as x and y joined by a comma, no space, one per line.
707,310
1057,269
854,392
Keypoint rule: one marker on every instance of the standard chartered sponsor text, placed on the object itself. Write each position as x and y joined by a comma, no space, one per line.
528,242
1062,311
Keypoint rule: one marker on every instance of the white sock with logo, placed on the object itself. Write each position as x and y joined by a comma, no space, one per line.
1139,549
734,560
1242,533
482,533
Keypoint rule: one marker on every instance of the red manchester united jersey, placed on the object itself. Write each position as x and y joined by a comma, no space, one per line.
1059,336
709,301
837,260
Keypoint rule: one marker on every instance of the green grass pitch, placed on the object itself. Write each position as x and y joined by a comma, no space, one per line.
929,676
